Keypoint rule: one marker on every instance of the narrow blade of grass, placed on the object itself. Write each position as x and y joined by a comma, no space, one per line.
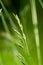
4,23
35,24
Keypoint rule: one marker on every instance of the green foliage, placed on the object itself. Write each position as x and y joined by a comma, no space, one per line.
19,33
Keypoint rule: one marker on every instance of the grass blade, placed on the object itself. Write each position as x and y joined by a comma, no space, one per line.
35,24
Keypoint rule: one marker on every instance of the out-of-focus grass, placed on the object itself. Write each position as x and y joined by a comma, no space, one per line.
19,37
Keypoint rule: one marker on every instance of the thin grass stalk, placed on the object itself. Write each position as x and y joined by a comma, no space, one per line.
41,3
4,23
8,15
35,25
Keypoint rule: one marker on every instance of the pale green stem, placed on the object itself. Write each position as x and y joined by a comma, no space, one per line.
4,23
35,24
41,3
9,17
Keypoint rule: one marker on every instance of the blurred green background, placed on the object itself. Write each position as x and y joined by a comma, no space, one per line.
24,11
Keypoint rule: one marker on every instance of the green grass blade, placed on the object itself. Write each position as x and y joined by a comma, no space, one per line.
4,23
8,15
35,24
